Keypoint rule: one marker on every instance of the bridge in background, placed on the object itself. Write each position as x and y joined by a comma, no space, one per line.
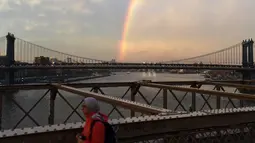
22,52
20,58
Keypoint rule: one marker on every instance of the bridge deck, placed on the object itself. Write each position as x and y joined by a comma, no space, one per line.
128,66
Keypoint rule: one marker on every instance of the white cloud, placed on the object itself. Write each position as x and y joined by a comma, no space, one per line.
80,7
54,8
97,1
4,5
66,6
32,3
30,25
70,30
41,15
61,15
17,2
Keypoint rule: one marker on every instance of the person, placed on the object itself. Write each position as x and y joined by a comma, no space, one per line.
96,123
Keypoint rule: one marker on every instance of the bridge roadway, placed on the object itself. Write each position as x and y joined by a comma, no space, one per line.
128,66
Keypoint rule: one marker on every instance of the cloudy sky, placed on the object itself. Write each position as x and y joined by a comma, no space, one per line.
160,30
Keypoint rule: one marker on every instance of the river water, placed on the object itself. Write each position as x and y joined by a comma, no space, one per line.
12,114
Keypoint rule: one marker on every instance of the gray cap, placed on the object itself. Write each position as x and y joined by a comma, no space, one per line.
92,104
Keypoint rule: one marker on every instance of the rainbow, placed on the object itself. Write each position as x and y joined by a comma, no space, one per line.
127,22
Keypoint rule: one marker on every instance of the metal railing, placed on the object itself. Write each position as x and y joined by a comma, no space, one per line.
218,125
176,97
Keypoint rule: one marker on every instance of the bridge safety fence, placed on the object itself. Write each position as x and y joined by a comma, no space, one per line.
213,126
42,104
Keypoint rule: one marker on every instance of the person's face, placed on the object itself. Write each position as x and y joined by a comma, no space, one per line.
85,110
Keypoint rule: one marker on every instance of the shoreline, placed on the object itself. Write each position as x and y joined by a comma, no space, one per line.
71,80
85,78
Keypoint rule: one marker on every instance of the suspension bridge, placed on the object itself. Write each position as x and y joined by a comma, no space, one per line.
20,60
24,53
180,111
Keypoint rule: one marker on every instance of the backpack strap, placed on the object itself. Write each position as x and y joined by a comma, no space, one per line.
91,128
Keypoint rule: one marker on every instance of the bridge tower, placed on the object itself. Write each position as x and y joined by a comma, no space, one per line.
247,48
9,74
247,62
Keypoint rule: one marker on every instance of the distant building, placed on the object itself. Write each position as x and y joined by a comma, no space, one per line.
2,52
3,60
113,61
69,60
42,60
54,61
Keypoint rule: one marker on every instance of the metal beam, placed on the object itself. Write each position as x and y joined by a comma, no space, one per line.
76,85
99,84
114,100
175,82
24,87
203,82
123,84
241,86
84,85
202,91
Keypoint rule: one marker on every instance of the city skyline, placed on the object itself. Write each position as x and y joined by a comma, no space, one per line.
158,31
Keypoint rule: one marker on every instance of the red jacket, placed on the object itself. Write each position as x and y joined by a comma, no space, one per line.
98,131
